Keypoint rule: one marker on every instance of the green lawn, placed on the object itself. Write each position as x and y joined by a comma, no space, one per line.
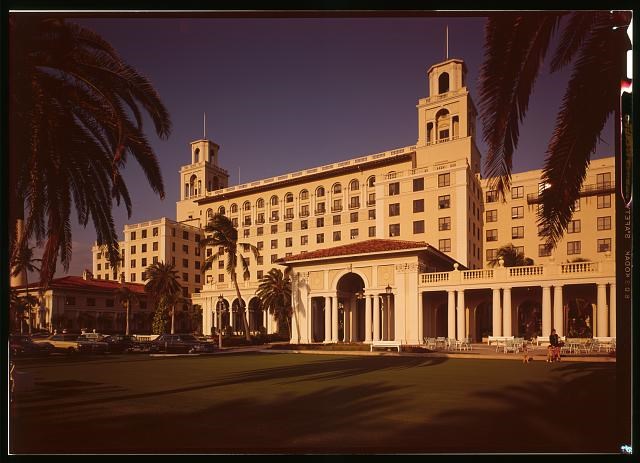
302,403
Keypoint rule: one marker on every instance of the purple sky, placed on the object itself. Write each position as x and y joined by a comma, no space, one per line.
287,94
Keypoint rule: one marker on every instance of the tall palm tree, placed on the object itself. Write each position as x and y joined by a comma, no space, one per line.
511,257
516,44
163,285
274,292
225,236
127,299
76,116
22,263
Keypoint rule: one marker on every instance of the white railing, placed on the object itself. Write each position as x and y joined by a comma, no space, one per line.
579,267
433,277
527,271
477,274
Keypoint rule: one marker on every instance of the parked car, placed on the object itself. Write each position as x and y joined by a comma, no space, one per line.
92,343
180,343
119,343
61,342
23,346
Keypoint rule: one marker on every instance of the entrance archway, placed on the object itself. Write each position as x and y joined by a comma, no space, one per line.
256,321
529,319
238,324
579,318
484,321
351,308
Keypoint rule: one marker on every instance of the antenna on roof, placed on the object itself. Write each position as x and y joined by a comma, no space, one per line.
447,43
204,126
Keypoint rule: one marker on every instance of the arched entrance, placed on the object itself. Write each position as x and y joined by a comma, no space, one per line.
237,314
529,319
351,308
256,322
578,318
484,321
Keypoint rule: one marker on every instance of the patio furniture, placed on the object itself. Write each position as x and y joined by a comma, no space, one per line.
430,343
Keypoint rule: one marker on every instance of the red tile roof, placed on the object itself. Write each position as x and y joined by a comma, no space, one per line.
80,284
363,247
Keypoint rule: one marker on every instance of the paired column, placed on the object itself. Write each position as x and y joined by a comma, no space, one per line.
376,317
334,318
367,318
327,319
451,314
558,322
546,311
602,316
496,310
506,312
461,318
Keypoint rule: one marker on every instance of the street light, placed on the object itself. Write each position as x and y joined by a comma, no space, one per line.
388,289
220,307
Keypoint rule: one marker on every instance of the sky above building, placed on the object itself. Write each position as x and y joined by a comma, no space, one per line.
284,94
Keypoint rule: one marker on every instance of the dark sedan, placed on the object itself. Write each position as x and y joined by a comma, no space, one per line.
120,343
23,345
180,343
92,343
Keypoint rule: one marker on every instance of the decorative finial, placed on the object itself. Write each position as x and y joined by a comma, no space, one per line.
501,262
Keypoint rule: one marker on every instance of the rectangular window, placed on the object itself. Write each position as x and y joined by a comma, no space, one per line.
517,192
288,226
133,236
517,232
144,262
573,247
418,184
444,245
353,233
106,265
143,276
604,245
221,264
492,215
99,256
260,260
288,242
337,205
320,208
304,224
337,236
274,216
288,214
99,266
154,260
354,202
418,226
234,222
576,205
372,214
143,248
544,250
185,235
185,276
444,223
304,210
245,233
444,202
274,244
155,231
372,232
197,264
220,277
394,209
492,235
418,205
274,229
491,254
604,201
197,277
144,234
394,188
336,219
603,180
573,226
259,231
154,246
259,274
371,199
320,238
394,229
353,217
185,263
133,250
444,180
304,240
274,258
246,221
260,218
604,223
517,212
173,247
320,222
185,248
492,196
133,263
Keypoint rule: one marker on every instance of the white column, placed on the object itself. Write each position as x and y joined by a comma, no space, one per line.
451,314
266,319
546,311
461,328
327,319
496,310
603,321
347,321
367,318
376,317
420,318
558,322
334,318
232,317
506,311
612,310
354,319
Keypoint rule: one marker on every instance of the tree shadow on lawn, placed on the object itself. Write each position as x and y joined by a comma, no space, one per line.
567,415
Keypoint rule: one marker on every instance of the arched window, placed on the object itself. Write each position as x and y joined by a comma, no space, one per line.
199,192
336,188
274,200
320,191
221,210
371,181
192,185
246,206
260,203
442,125
196,155
234,208
288,198
209,214
354,185
304,195
443,83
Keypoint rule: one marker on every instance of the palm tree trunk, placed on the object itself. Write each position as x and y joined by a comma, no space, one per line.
173,319
26,281
242,309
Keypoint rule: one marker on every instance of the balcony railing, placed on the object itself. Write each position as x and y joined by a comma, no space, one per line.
304,214
336,209
587,190
320,211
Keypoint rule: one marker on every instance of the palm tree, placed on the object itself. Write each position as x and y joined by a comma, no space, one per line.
127,299
225,236
23,262
274,292
511,257
516,44
76,116
164,287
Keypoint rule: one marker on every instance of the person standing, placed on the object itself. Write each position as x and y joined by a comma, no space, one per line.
554,347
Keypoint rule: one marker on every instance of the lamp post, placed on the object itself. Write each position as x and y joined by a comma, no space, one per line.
220,308
387,316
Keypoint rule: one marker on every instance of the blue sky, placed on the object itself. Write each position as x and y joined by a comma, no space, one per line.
283,94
